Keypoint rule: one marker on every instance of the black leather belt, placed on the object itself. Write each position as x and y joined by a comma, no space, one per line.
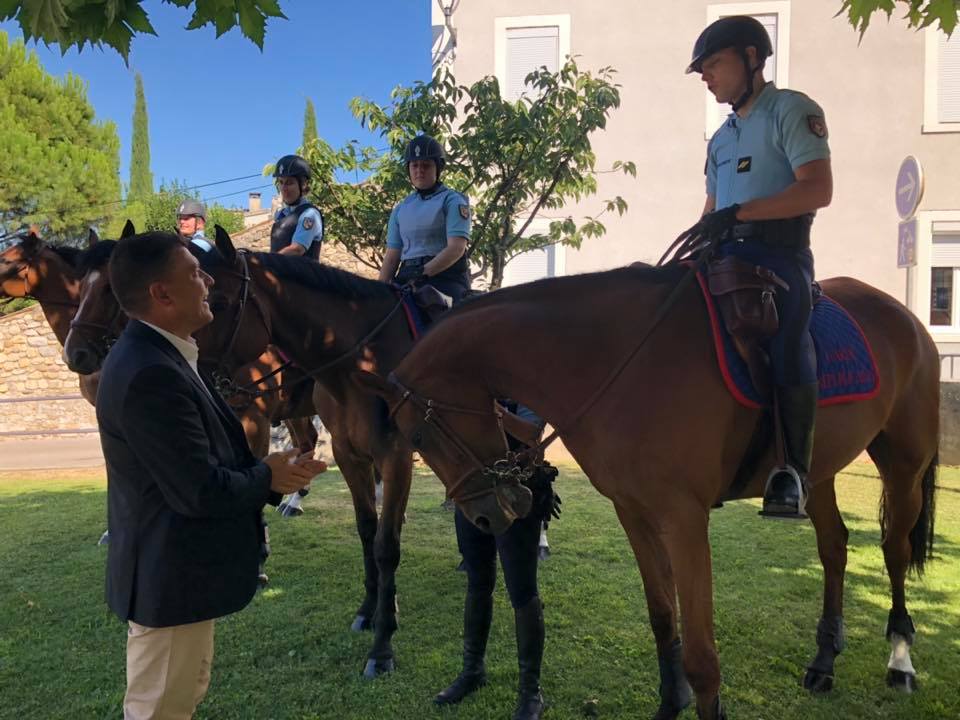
789,233
416,262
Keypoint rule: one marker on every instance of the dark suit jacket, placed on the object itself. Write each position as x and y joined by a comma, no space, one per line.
184,493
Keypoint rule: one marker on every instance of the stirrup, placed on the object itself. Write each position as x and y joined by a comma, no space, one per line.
782,512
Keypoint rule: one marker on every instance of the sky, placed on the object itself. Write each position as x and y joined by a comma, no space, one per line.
219,108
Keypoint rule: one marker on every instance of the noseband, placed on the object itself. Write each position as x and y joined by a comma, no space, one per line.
512,470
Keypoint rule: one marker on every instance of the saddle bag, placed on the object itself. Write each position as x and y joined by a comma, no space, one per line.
745,295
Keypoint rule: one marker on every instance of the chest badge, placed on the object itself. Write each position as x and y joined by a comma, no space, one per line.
817,125
743,164
464,211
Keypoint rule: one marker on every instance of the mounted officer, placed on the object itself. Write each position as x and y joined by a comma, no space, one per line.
191,220
768,171
428,231
298,225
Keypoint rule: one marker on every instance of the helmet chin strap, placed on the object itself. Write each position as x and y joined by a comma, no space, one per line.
749,74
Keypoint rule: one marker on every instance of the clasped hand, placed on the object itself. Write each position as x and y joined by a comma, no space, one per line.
292,471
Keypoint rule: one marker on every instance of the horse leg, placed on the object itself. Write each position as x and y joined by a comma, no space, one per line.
688,546
832,537
907,528
303,436
660,591
396,470
543,551
358,474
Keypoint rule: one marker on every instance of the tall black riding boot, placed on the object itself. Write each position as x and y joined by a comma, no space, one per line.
477,615
529,620
786,493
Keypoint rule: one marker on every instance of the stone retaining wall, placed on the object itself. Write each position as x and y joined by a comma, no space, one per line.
31,367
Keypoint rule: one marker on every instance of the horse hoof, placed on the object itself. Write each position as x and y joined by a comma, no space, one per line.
899,680
105,538
543,552
817,682
291,511
375,668
361,623
667,711
281,507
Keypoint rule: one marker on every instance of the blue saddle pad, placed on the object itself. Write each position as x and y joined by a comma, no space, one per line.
846,369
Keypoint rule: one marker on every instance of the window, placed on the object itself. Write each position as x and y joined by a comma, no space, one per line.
775,17
941,92
522,45
944,279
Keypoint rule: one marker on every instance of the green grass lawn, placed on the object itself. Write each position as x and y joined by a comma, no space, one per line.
291,655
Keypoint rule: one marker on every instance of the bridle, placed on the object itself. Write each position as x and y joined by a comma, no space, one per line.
512,470
224,383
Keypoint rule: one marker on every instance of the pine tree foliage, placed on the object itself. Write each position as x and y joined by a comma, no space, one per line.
59,167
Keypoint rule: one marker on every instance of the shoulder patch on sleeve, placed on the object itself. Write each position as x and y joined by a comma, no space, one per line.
464,211
817,125
308,223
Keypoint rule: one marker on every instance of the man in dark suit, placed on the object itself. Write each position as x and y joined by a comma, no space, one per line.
185,495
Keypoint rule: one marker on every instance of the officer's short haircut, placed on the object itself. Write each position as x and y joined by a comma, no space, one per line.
136,263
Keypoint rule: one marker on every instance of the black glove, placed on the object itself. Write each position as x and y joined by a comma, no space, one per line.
715,224
419,281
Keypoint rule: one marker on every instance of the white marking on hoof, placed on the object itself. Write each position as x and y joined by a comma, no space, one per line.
900,655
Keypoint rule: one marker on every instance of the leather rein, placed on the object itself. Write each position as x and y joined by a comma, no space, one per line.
515,467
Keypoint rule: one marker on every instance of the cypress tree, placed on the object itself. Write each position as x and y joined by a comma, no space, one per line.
141,179
309,124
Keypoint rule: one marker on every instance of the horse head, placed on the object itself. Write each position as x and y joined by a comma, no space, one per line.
239,332
99,319
19,267
464,444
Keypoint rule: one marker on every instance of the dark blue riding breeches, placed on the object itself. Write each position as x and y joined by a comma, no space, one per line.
517,548
792,352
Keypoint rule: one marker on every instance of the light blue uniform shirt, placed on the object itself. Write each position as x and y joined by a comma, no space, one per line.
309,227
419,227
756,156
200,240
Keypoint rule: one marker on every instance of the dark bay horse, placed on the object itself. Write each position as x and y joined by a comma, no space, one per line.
272,310
666,439
48,273
99,321
328,320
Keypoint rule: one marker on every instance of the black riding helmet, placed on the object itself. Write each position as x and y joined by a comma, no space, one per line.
424,147
739,32
292,166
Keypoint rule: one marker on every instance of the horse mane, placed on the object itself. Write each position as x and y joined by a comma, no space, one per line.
315,276
69,254
583,284
95,257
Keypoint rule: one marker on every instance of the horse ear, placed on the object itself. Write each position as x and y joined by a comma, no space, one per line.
224,244
92,238
128,230
376,385
31,244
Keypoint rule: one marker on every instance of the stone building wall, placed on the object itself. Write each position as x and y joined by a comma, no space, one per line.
38,393
258,238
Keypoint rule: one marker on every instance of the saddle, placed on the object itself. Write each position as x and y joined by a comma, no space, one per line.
745,294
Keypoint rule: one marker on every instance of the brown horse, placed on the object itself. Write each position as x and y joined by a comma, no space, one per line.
99,321
48,273
666,439
328,320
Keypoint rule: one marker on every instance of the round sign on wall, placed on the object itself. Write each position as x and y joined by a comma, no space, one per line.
909,187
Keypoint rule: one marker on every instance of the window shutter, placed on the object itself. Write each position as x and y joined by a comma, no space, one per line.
948,79
770,23
529,266
527,50
945,251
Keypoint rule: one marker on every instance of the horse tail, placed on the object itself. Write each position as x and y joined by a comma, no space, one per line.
921,536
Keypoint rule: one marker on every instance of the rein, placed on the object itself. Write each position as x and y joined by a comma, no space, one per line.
513,468
226,384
